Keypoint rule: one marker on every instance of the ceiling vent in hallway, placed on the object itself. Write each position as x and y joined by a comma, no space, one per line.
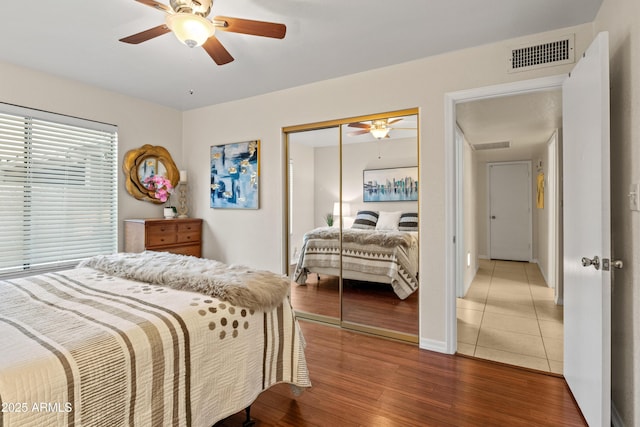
548,53
492,145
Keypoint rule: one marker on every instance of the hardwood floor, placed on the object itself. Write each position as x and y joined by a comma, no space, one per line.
317,296
359,380
375,304
366,303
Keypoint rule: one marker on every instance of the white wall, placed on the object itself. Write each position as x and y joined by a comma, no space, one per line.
326,182
243,237
375,155
138,122
471,215
622,19
543,217
303,197
482,207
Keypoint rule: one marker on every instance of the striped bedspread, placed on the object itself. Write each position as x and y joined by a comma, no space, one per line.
362,258
81,347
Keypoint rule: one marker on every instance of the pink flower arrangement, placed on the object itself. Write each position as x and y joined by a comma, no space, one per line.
160,185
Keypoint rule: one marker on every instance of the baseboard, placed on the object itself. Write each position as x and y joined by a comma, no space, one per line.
616,420
468,282
544,275
433,345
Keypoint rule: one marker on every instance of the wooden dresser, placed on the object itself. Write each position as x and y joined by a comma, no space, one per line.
178,235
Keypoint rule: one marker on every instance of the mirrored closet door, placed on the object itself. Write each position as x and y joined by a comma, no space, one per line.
380,262
353,222
313,172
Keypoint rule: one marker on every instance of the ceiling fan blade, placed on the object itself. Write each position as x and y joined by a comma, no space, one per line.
216,51
360,125
394,121
146,35
247,26
358,132
154,4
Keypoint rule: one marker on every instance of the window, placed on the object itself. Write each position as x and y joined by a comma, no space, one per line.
58,190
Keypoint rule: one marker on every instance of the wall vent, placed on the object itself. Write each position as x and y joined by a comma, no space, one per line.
492,145
545,54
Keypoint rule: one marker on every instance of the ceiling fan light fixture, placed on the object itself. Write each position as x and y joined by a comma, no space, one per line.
192,30
380,128
380,132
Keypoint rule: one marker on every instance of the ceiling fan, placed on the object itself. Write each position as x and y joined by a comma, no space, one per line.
188,21
379,128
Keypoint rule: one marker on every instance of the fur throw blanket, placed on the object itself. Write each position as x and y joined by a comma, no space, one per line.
238,285
384,238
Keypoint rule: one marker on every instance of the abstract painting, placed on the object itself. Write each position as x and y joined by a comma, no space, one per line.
235,169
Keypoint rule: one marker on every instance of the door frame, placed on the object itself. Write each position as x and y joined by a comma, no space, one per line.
529,217
555,216
454,246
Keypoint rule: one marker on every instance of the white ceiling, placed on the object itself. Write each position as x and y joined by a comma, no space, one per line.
78,39
526,121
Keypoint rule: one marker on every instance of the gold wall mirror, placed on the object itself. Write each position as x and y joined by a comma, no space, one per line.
144,162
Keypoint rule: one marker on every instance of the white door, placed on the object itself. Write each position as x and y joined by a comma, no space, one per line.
587,233
510,211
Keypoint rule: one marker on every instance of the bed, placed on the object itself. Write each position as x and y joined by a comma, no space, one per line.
144,339
381,256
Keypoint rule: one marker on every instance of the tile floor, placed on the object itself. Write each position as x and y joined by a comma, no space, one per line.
509,316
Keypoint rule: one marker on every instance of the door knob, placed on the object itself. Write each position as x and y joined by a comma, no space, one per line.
493,217
586,262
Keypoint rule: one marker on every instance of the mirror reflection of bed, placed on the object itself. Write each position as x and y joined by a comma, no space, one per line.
364,278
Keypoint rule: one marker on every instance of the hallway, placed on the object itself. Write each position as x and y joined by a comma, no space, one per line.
509,316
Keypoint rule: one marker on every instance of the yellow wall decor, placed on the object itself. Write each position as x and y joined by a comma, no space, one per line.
540,199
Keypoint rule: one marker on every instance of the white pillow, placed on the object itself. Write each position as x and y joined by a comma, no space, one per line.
388,220
347,221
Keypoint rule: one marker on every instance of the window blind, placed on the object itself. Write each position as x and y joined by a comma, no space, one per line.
58,190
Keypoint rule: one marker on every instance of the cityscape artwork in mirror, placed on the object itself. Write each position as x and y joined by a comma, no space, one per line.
390,185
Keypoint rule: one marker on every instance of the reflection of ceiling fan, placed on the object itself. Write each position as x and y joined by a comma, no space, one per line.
379,128
188,21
